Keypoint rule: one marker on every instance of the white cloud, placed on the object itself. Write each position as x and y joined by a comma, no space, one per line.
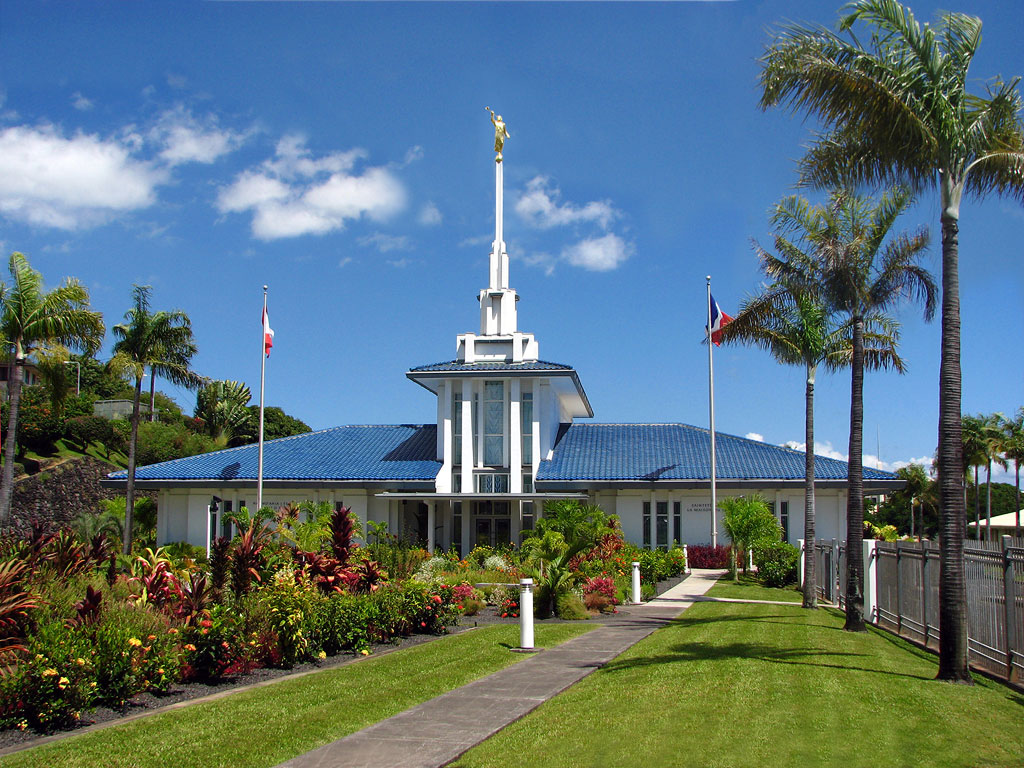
385,243
185,138
598,254
754,436
80,102
295,193
50,180
400,263
412,155
473,242
429,216
820,449
176,81
344,261
869,460
538,206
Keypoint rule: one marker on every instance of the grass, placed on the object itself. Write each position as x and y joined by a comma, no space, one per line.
737,685
266,726
749,588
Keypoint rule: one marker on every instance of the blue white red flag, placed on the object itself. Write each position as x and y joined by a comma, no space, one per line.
718,321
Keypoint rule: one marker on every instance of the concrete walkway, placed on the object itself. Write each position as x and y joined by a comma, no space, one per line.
436,732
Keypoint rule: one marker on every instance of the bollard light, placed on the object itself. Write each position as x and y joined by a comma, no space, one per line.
686,557
526,614
636,583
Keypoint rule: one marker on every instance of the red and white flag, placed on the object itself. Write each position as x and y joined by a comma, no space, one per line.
268,333
718,321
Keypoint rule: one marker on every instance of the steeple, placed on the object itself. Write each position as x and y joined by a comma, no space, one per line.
499,339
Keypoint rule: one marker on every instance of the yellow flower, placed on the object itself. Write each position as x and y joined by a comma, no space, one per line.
322,655
134,641
63,683
80,662
92,684
160,671
49,672
189,647
365,652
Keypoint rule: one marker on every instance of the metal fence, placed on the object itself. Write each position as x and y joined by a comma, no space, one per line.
902,595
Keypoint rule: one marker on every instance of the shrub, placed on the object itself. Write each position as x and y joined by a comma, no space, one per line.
598,603
776,563
292,606
83,430
568,606
213,644
707,556
508,602
496,563
601,585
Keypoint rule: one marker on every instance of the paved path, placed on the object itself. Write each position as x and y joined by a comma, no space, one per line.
436,732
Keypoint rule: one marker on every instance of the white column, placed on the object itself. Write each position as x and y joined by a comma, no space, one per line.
445,438
526,613
636,583
870,580
467,522
478,388
431,516
515,437
800,563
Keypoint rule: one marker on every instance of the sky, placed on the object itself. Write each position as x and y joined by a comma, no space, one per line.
341,154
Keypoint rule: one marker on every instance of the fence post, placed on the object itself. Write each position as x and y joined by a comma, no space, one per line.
686,557
924,590
800,564
870,580
526,614
837,585
636,583
1010,600
899,593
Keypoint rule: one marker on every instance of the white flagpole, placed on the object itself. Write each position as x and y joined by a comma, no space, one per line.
711,411
263,371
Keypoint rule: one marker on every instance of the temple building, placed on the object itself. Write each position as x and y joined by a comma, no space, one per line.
506,440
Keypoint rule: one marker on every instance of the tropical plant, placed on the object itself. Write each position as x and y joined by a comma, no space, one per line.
51,362
222,405
973,454
917,485
748,521
163,342
31,317
850,262
16,602
995,443
1014,448
899,111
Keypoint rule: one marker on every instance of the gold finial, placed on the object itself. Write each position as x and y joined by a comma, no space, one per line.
500,133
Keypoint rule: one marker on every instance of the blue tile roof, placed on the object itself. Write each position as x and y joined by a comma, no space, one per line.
395,452
456,365
648,452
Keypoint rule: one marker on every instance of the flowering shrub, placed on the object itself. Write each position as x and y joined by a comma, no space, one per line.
212,645
707,556
292,605
508,604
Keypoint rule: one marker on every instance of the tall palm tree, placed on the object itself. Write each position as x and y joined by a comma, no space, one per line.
899,112
30,317
995,444
917,482
223,406
163,342
973,455
850,260
1015,452
798,330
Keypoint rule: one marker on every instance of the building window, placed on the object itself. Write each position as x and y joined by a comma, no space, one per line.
457,526
456,480
784,519
527,482
492,482
677,522
647,525
526,409
494,423
457,428
225,520
528,516
662,509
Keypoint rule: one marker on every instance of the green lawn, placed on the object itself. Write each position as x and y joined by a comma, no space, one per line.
749,588
265,726
736,685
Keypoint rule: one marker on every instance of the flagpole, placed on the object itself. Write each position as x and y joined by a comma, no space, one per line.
711,412
263,371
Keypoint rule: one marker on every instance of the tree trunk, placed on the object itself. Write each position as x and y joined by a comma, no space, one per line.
152,395
952,587
10,444
129,492
988,502
855,485
810,578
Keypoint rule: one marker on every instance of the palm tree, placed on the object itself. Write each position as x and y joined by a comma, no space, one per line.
973,454
995,443
900,112
1015,452
917,483
223,406
841,242
163,342
31,317
798,330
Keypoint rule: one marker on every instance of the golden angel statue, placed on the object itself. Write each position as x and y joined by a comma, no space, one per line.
500,133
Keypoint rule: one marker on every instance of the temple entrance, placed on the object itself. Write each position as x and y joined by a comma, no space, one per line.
492,523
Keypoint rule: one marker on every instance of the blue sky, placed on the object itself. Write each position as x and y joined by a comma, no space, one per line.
341,154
